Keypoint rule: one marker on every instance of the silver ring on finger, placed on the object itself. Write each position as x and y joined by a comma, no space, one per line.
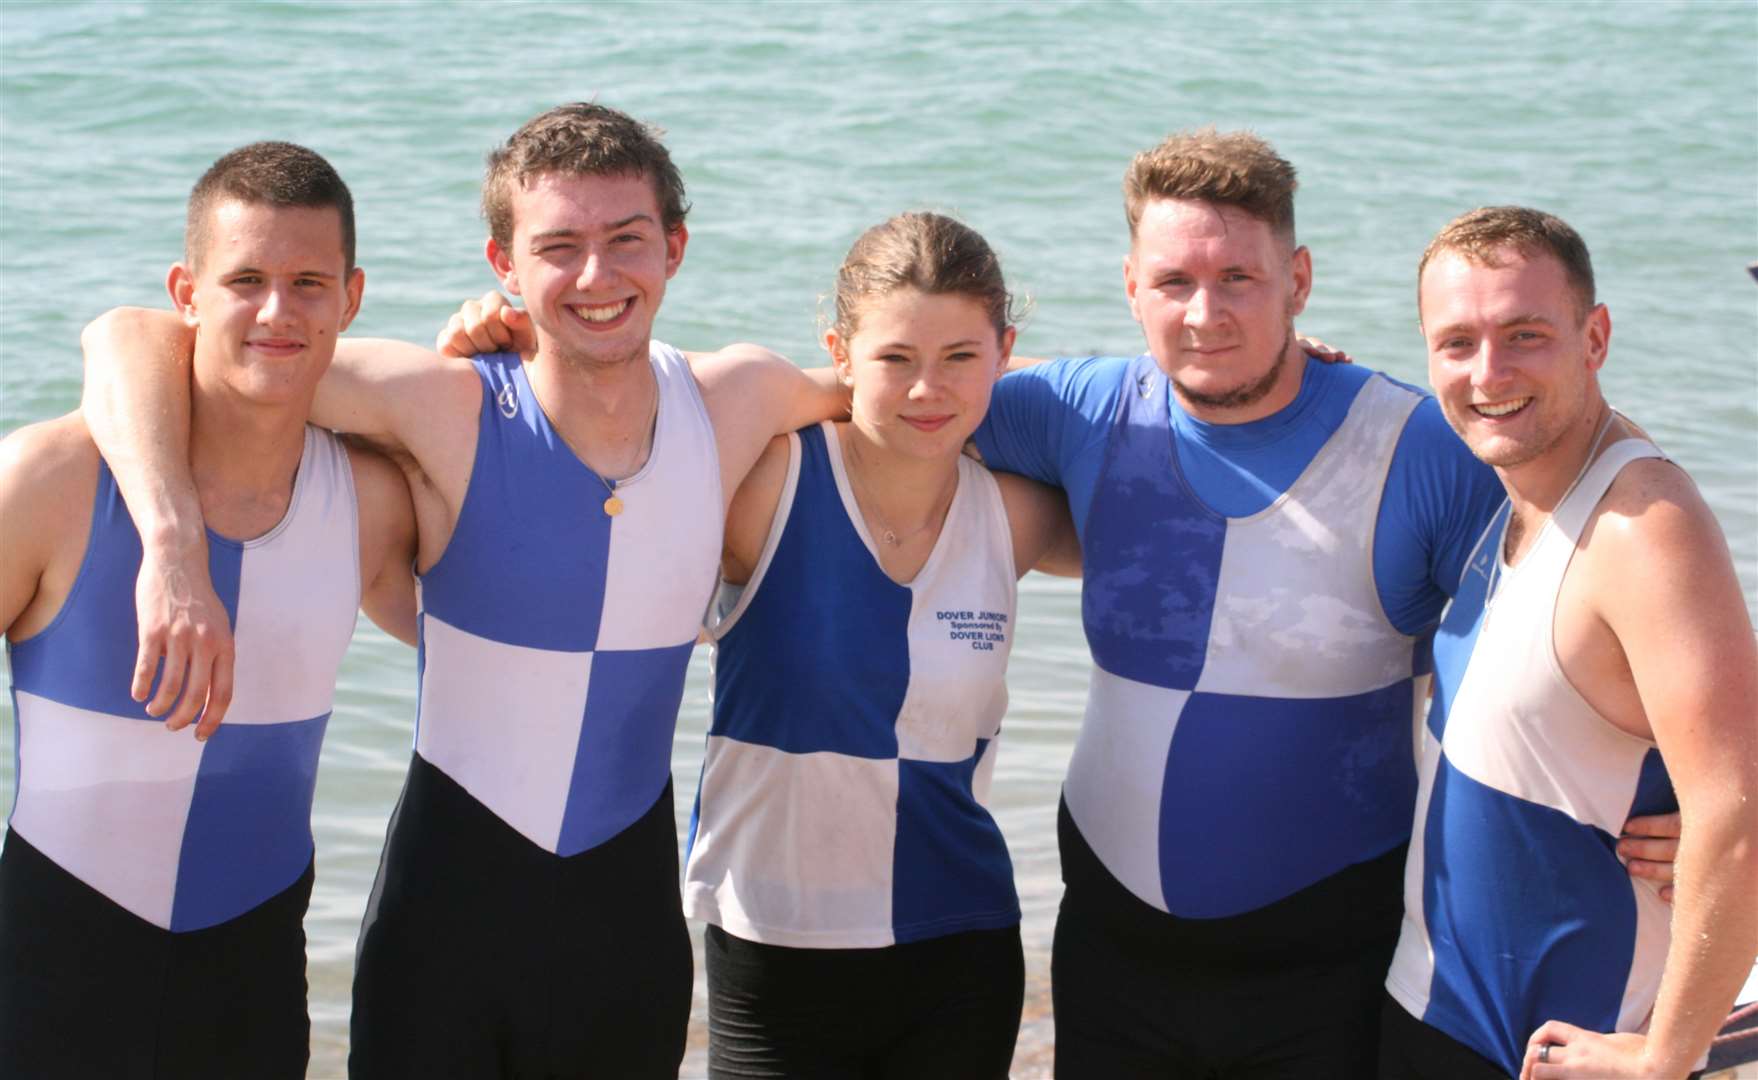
1544,1053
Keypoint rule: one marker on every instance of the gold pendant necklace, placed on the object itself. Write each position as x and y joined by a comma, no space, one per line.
613,503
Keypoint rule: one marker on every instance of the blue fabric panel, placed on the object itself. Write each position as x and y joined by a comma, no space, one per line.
1051,421
1533,907
624,755
1438,500
841,684
526,564
85,657
1151,552
1654,788
1239,469
252,798
1457,634
1282,793
949,856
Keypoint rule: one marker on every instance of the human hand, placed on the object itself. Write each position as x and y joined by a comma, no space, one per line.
182,622
491,324
1319,350
1651,844
1557,1050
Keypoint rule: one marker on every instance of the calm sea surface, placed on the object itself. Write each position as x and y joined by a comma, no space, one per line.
797,125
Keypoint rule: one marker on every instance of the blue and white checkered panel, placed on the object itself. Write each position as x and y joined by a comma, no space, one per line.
555,637
1517,907
854,728
185,834
1249,693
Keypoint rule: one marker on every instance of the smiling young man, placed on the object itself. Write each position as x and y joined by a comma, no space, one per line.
153,885
1597,661
526,920
1266,541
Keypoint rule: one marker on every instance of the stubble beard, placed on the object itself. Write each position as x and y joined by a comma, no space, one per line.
1249,394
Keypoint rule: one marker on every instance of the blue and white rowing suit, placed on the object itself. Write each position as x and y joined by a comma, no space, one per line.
185,834
855,726
1517,907
554,640
554,637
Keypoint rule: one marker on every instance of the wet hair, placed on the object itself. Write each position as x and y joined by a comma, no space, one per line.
580,139
267,174
929,252
1234,168
1486,234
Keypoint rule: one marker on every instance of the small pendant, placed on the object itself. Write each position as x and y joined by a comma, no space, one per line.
889,537
613,506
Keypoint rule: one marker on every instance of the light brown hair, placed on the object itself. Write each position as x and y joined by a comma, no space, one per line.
268,174
1485,234
925,251
580,139
1234,168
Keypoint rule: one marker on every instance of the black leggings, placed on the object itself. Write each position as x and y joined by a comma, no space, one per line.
1138,993
484,955
88,989
946,1007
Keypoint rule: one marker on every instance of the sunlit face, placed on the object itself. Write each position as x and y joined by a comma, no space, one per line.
1510,355
922,368
268,297
1216,291
591,258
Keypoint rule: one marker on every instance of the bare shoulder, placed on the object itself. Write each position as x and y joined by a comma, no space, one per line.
752,513
1653,508
738,368
48,465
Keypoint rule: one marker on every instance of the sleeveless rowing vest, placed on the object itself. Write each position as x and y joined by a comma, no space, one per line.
1517,907
554,637
855,726
1249,725
187,834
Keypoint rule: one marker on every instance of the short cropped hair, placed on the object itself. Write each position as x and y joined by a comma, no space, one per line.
1233,168
268,174
580,139
1484,234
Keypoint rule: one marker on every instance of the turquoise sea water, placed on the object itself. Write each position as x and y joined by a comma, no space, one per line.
797,125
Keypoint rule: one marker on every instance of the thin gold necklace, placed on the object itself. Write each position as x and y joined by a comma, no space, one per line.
613,503
888,535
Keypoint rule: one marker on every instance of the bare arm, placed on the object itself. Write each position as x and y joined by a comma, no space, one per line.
136,403
1666,588
387,544
40,499
752,396
1043,531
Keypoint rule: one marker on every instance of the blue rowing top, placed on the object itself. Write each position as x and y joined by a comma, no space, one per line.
855,726
187,834
554,637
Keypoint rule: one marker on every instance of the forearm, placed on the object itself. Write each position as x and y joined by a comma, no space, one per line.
1714,933
136,404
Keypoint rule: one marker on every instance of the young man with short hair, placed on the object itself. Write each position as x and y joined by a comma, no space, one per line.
527,918
1597,661
153,885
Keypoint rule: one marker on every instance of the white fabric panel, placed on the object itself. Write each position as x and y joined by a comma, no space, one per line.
659,577
962,602
810,838
1412,971
1115,776
84,775
504,722
296,614
1315,627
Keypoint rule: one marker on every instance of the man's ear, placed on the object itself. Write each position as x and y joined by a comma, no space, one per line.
675,242
356,289
180,283
501,262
